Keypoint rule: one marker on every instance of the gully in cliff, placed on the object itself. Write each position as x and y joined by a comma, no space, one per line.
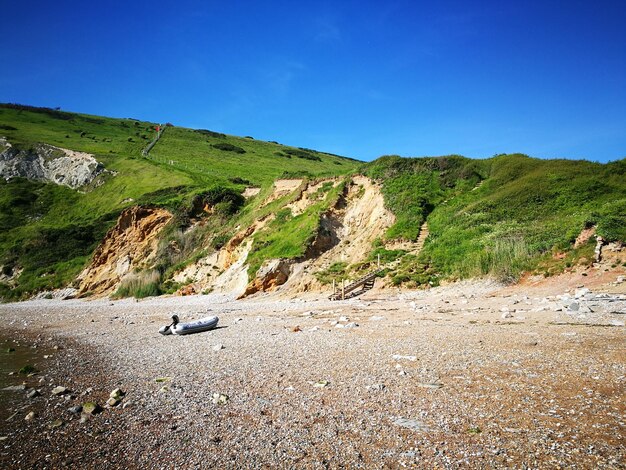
178,328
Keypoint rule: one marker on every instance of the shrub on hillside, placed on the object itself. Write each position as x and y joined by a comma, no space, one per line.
209,133
612,221
226,147
303,153
224,201
238,180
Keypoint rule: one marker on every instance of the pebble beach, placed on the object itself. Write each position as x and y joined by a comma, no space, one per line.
470,375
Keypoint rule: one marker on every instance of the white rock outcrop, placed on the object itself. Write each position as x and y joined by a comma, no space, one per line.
45,162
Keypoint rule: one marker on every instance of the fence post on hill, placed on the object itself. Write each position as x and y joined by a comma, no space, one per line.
334,288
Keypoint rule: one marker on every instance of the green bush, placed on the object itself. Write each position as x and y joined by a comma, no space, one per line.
226,147
208,133
225,201
612,221
302,153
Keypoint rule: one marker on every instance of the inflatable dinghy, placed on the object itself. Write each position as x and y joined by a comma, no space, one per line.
177,328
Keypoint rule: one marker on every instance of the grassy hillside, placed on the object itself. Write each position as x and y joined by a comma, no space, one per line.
523,209
498,216
49,231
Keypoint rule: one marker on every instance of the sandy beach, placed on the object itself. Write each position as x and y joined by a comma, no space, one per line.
468,375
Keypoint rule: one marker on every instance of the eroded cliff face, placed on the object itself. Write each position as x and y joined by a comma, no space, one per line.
346,233
45,162
129,245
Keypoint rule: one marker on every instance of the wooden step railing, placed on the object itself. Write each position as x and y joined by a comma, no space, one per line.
366,283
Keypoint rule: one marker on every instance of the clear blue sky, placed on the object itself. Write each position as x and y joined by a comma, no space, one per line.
358,78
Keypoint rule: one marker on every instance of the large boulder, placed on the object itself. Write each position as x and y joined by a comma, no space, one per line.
271,274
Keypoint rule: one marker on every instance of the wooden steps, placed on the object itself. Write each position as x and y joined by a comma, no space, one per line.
365,283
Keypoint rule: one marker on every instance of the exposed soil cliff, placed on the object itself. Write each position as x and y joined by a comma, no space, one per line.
131,243
224,271
346,232
48,163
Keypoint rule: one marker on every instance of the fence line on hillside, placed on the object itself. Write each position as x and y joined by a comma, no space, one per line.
145,152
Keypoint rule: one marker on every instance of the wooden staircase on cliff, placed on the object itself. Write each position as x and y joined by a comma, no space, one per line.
365,283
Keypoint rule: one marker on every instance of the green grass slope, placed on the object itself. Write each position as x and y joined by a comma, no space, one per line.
499,216
523,209
49,232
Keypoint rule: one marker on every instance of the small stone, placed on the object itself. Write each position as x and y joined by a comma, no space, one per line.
91,408
127,404
344,319
412,424
321,383
220,399
399,357
296,329
117,393
376,387
33,393
218,347
57,423
506,314
30,416
238,320
432,385
113,401
59,390
352,325
75,409
27,370
581,293
574,307
15,388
